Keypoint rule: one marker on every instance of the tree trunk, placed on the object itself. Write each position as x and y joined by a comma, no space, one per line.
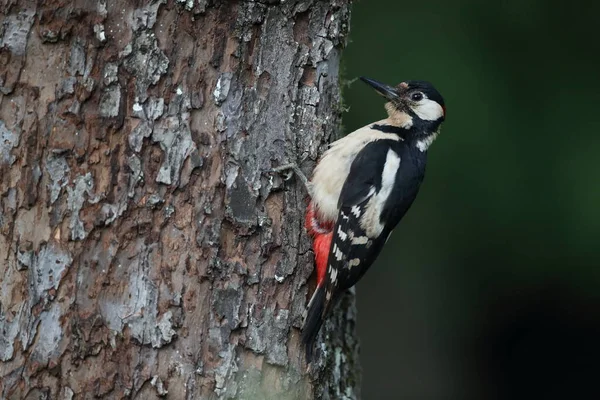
145,251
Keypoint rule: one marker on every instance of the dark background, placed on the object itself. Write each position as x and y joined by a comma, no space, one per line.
489,287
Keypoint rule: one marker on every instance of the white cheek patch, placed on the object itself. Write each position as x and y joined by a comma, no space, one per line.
428,110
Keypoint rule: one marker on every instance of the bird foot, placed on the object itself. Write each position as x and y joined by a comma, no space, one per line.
288,170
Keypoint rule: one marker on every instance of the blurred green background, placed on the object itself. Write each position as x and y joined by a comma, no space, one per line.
489,287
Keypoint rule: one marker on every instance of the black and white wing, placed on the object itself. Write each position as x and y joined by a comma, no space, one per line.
359,233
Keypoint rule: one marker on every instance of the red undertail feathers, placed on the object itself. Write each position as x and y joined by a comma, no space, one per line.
322,234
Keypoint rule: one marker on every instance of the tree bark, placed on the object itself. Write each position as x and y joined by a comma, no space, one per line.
145,252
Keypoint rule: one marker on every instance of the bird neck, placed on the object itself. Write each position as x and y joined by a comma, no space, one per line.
416,131
398,118
424,140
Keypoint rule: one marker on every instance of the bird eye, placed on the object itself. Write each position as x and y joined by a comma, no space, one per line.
418,96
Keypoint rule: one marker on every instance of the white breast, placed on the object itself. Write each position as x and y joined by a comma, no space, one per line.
331,171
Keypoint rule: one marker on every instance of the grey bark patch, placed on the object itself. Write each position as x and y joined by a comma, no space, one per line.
268,335
175,139
154,108
25,256
99,32
147,63
8,141
135,165
165,332
11,200
75,107
82,185
16,29
50,334
67,86
158,385
110,101
49,267
188,4
278,334
179,103
77,59
66,393
242,202
197,100
283,270
222,87
109,213
145,17
137,111
110,74
154,201
225,383
195,6
137,307
9,329
226,305
169,211
88,84
220,122
137,135
194,161
58,171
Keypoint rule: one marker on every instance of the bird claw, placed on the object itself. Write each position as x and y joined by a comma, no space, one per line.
288,170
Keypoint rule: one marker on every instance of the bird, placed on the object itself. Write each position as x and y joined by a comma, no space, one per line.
360,189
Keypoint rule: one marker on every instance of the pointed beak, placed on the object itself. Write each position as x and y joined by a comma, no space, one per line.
385,90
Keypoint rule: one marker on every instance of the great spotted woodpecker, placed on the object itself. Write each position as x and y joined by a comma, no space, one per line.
361,188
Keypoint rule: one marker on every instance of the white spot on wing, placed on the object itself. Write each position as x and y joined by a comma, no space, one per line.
370,221
343,235
354,262
360,240
333,275
338,254
356,211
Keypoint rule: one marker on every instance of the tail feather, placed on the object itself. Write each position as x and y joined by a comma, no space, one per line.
313,321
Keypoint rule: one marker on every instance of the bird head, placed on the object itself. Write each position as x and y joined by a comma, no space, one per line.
412,104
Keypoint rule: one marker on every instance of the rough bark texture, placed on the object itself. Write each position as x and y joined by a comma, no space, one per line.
144,251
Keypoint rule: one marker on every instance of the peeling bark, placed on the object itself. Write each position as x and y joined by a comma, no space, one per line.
144,250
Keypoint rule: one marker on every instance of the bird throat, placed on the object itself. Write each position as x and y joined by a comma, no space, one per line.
397,117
